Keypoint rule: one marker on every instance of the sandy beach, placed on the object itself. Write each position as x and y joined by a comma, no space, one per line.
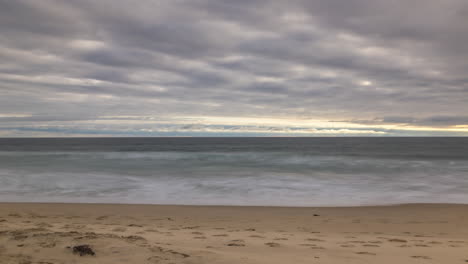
48,233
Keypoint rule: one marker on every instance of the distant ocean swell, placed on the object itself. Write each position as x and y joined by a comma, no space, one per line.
276,178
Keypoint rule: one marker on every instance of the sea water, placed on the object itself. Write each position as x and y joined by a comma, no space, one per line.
235,171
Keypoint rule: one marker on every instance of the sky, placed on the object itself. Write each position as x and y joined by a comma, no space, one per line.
233,68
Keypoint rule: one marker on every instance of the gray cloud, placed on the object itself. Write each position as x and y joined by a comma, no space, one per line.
369,62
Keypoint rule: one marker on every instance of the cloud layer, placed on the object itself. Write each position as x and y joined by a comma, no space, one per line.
219,67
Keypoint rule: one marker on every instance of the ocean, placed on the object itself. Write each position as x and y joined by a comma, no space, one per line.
235,171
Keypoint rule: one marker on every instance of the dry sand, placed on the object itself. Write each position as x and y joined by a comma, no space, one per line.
47,233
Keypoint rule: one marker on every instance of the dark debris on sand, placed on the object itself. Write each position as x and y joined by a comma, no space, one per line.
83,250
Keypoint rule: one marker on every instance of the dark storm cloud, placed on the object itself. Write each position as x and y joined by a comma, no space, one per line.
370,62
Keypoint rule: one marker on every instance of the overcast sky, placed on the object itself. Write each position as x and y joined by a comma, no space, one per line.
233,68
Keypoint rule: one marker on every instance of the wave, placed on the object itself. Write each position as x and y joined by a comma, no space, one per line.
228,178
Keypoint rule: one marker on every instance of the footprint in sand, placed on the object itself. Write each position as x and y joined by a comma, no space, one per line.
366,253
308,245
134,239
314,239
221,235
397,240
236,243
317,247
357,242
421,245
49,244
422,236
348,246
272,244
43,225
456,243
119,229
421,257
191,227
14,215
256,236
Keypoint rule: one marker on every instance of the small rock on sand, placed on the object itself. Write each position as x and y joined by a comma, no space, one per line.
83,250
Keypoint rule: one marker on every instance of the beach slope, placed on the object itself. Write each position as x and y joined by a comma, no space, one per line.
32,233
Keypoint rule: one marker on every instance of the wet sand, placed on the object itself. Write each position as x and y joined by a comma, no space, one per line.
33,233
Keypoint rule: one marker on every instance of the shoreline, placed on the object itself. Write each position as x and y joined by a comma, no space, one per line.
131,233
246,206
